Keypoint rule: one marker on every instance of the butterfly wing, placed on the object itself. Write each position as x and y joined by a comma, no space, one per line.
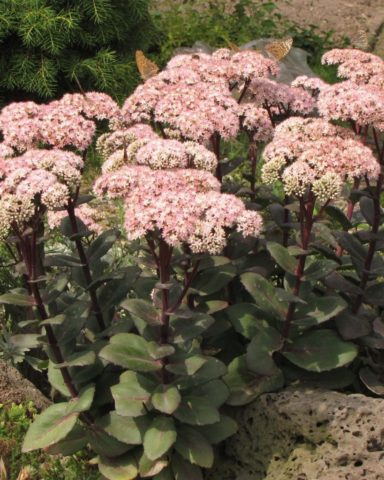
280,48
146,67
361,40
235,48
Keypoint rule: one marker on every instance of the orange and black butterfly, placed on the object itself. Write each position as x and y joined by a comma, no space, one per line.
146,67
360,40
279,49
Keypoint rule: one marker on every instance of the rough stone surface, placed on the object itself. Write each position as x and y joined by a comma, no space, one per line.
306,435
14,388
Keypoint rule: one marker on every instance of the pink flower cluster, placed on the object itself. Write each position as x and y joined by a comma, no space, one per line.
312,153
158,153
120,139
313,85
61,123
192,97
358,66
281,97
256,121
184,205
364,104
38,179
87,214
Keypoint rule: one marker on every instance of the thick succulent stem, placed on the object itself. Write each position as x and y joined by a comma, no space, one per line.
28,247
85,267
215,140
306,224
374,227
165,254
252,152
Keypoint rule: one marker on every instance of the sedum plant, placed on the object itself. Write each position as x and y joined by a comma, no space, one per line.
238,274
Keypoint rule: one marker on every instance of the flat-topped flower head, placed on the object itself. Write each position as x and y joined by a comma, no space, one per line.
36,181
358,66
364,104
162,154
6,151
248,65
93,105
268,93
84,212
61,123
109,143
19,124
199,111
313,85
15,213
312,154
256,121
184,205
209,68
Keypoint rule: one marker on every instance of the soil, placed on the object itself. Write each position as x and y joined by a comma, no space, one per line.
344,17
14,388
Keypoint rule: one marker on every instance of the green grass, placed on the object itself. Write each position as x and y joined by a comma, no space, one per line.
14,422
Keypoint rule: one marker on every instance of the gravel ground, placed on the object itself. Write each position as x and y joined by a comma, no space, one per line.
344,17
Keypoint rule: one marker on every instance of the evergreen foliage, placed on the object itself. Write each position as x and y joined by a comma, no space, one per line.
48,47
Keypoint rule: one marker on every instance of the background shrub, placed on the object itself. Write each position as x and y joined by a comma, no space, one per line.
49,47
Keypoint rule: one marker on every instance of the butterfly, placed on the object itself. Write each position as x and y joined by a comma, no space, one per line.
280,48
146,67
360,40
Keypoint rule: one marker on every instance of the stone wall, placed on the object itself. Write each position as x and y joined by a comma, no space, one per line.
306,435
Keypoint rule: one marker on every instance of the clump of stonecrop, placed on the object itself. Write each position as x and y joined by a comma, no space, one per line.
232,276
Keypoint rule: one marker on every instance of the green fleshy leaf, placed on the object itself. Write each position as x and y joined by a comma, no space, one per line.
51,426
142,309
159,437
183,469
130,351
319,269
245,385
219,431
166,399
264,294
196,411
150,468
102,244
76,440
194,447
84,400
125,429
214,279
245,318
216,391
318,310
123,468
212,369
18,299
187,325
104,444
260,351
132,394
320,350
282,257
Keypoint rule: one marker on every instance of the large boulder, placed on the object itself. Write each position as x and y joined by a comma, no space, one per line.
306,435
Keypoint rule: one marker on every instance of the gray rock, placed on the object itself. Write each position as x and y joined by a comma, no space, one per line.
306,435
